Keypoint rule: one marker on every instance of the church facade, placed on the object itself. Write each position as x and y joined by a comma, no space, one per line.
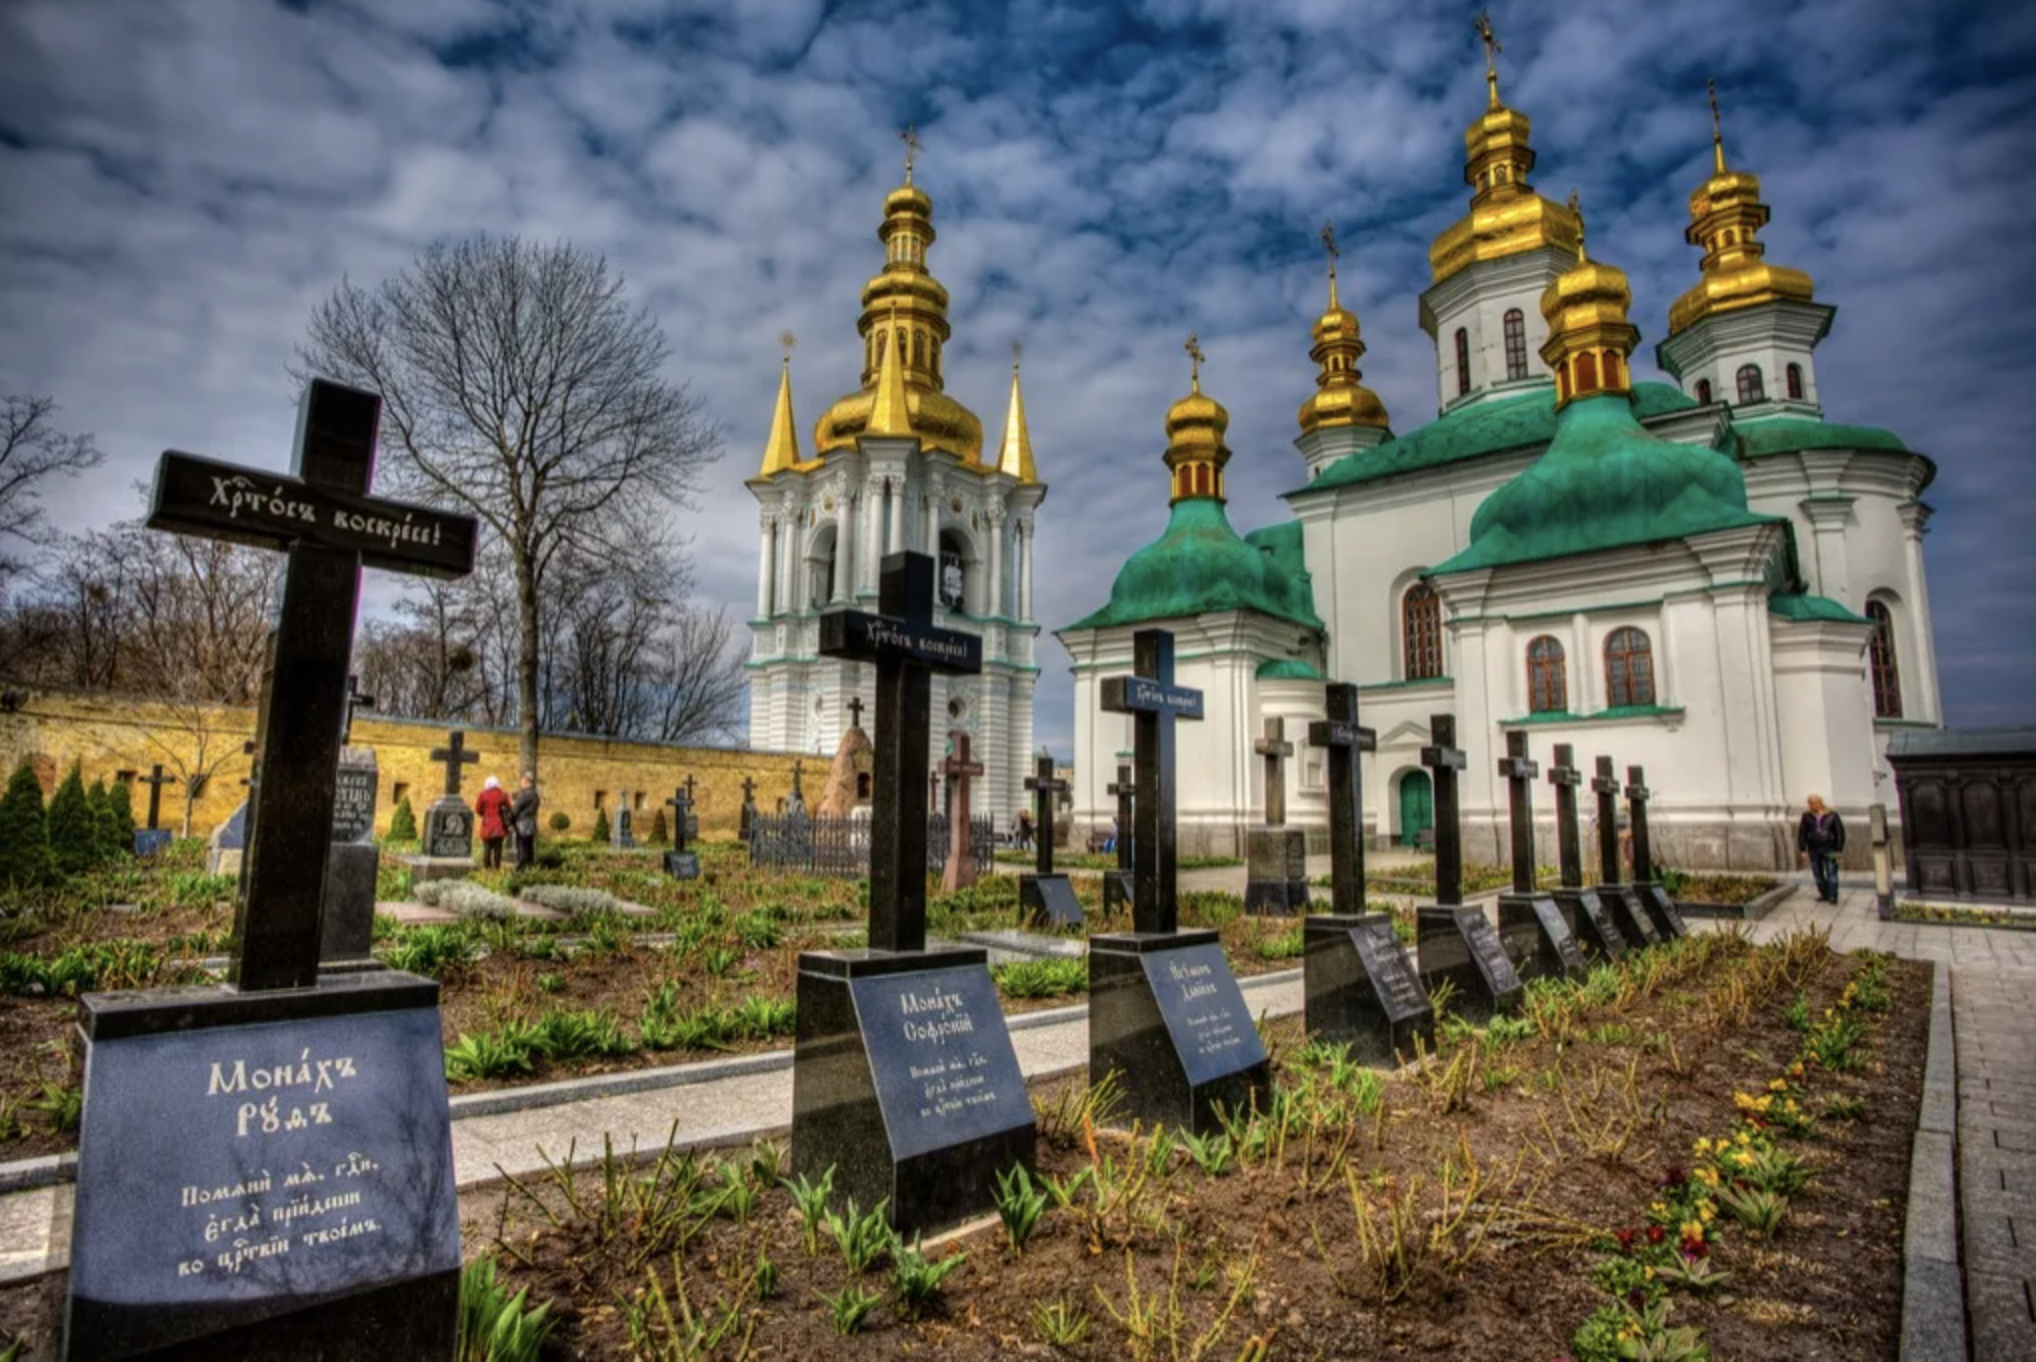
1711,580
898,464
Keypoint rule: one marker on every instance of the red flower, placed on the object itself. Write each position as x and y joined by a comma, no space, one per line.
1695,1248
1637,1299
1655,1234
1625,1238
1674,1177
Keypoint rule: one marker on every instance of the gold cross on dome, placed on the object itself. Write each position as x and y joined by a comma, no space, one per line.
1195,358
1483,24
788,343
1576,209
1329,244
1017,350
910,137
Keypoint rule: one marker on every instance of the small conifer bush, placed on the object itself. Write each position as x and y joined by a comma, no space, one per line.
24,832
121,797
402,822
659,833
103,822
600,833
73,828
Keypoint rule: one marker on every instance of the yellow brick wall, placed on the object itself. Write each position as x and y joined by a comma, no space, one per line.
110,734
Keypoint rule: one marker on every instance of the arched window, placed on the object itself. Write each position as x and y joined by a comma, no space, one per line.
1516,344
1462,361
1880,658
1794,376
1586,374
1704,391
1629,669
1546,691
1421,632
1611,368
1750,389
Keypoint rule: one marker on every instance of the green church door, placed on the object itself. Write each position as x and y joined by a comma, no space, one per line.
1417,806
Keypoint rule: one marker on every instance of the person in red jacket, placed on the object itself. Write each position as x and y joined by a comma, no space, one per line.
493,807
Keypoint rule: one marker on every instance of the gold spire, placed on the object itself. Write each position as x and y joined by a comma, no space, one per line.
1483,24
1340,399
781,450
1014,458
1726,216
1589,338
890,417
1576,210
910,137
1195,452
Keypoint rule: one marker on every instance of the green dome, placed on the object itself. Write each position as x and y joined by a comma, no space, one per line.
1200,566
1605,483
1287,669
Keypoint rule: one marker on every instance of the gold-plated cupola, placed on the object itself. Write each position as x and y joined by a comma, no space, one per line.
1340,397
1195,452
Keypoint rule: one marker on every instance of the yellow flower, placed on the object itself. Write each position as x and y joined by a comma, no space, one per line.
1706,1211
1778,1085
1692,1229
1702,1146
1657,1209
1743,1157
1650,1274
1746,1137
1707,1176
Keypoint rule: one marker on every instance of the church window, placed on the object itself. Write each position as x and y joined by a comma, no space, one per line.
1421,632
1462,361
1611,368
1629,669
1880,653
1516,344
1794,376
1750,388
1547,692
1704,391
1586,374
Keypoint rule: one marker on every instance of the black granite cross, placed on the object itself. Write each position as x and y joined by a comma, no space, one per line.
1637,795
1565,777
1445,759
354,700
855,711
1151,697
748,790
748,811
681,804
1124,789
155,780
1519,769
798,769
689,788
1607,790
455,755
1274,747
907,649
322,517
1044,787
1345,739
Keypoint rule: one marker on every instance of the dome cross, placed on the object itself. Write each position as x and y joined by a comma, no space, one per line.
910,137
1195,358
1483,24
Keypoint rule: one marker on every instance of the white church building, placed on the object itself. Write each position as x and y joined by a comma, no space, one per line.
1711,580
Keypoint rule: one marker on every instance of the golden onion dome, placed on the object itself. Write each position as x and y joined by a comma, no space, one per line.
1195,452
1589,336
1340,398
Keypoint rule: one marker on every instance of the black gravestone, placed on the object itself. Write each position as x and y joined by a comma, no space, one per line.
347,919
748,811
1118,887
1275,855
1044,896
447,849
1452,942
1629,919
1654,900
680,863
1361,988
152,838
1540,937
1596,933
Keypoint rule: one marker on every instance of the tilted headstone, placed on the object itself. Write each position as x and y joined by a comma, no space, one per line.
1540,938
447,851
1275,856
622,827
153,837
1595,930
226,848
680,863
1165,1012
1119,888
1454,943
960,871
1359,984
269,1161
1633,922
1044,896
352,864
904,1081
1668,920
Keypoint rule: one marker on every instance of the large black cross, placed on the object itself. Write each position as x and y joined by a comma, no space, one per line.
1044,787
907,649
1445,759
354,700
1346,739
681,804
1274,747
855,711
1565,777
1125,790
455,755
1637,795
689,788
1151,697
155,780
322,517
1606,787
1519,769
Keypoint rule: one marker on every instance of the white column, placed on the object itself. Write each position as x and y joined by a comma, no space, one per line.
1923,655
895,489
1828,515
788,564
871,542
932,541
1583,695
1025,576
844,548
767,540
996,604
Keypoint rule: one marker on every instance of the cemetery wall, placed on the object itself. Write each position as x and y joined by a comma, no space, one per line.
115,734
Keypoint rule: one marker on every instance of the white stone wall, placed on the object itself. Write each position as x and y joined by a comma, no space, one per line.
1770,336
1477,299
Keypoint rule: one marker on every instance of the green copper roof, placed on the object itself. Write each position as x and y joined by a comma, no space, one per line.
1200,565
1780,434
1488,428
1605,483
1795,605
1287,669
1283,542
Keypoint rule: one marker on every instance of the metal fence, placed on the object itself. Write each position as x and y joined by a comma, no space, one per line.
841,846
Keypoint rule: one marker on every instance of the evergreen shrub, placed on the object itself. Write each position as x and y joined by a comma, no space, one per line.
73,828
24,832
402,822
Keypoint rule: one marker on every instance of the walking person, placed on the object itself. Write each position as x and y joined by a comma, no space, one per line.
523,820
1820,837
492,806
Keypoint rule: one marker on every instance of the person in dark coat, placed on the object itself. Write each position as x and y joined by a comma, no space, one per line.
1820,837
492,806
523,820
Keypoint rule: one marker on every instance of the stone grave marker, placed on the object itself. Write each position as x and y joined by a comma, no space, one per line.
1668,919
447,852
347,919
1360,988
903,1079
1165,1012
962,769
153,837
748,814
1540,938
1276,856
622,827
1454,942
1633,922
680,863
1044,896
1883,861
1596,933
265,1166
1118,890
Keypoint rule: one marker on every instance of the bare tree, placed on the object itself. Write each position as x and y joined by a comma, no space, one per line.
698,678
32,451
517,384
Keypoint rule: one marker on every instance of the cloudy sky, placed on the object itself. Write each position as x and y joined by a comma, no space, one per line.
181,180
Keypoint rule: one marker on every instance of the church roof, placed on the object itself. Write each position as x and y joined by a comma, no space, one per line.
1469,432
1796,605
1605,483
1200,565
1287,669
1783,434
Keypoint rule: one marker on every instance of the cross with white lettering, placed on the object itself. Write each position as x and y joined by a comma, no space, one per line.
1606,787
1445,759
1519,769
1274,747
455,755
1151,697
327,524
1637,795
1565,777
1346,739
1044,787
906,647
1125,790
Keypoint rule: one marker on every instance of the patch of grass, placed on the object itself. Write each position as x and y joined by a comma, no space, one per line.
1042,978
